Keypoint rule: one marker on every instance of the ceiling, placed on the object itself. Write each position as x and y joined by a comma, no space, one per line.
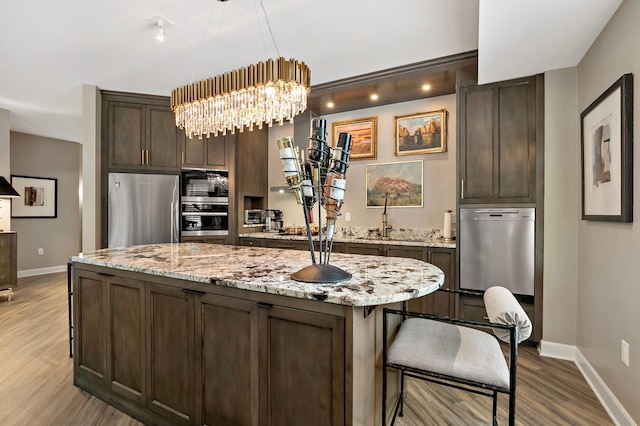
49,50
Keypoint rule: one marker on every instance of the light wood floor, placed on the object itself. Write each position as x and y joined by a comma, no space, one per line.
36,377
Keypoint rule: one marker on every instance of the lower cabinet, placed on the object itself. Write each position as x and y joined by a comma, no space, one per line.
169,355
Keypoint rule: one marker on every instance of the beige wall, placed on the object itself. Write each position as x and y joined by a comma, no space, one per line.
439,170
59,237
5,168
608,253
562,201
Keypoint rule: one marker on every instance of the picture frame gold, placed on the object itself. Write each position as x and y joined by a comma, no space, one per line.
364,137
421,133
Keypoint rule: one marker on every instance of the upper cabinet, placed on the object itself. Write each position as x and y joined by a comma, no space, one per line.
140,132
499,126
206,152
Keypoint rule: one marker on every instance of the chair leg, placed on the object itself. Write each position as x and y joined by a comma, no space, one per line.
402,385
495,408
512,406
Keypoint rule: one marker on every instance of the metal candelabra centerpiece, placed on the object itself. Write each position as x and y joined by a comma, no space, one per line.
320,179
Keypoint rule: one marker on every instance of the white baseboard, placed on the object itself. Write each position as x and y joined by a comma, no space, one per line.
42,271
608,400
557,350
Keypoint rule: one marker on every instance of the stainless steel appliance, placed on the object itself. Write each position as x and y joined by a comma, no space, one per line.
497,247
204,202
273,220
143,209
254,217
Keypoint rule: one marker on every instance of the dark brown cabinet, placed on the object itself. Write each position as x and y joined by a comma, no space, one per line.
364,248
499,125
140,133
206,152
169,354
437,303
90,331
170,350
8,259
126,348
301,360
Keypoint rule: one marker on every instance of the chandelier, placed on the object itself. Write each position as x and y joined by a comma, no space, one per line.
266,92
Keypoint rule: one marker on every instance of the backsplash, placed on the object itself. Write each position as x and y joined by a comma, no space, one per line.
406,234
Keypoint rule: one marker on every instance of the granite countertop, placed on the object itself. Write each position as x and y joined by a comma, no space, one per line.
375,281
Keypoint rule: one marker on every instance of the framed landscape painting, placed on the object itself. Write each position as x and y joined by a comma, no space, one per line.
607,154
39,197
421,133
395,184
363,136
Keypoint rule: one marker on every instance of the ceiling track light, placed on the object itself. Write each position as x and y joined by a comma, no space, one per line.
159,24
160,32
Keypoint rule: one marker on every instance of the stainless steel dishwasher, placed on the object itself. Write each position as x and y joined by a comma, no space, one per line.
497,247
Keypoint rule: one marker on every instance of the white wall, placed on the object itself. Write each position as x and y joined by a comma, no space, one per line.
439,170
608,253
5,167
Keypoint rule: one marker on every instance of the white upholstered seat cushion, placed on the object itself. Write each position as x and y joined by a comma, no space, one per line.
449,349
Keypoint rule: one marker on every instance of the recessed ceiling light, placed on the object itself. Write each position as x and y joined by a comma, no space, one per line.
374,97
330,105
426,87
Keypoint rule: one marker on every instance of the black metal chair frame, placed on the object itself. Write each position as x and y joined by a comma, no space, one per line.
451,381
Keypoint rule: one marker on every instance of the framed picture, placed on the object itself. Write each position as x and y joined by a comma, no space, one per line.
607,154
394,184
364,136
421,133
39,197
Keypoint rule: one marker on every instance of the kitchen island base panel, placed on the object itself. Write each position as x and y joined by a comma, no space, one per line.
277,349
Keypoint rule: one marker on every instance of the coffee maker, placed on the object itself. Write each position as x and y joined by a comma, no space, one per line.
273,220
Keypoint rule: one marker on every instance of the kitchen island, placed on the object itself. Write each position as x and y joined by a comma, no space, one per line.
207,334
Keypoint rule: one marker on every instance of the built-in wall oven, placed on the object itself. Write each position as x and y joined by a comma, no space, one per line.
204,202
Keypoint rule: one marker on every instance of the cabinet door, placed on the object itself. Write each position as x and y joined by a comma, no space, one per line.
420,253
126,135
8,259
251,242
162,139
357,248
498,131
193,151
126,341
229,393
89,299
301,368
442,302
287,244
216,151
170,352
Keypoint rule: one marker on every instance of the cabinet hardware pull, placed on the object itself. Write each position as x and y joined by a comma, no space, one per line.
147,157
142,157
264,305
102,274
462,189
182,156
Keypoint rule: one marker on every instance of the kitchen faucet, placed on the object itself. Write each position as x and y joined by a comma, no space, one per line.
385,221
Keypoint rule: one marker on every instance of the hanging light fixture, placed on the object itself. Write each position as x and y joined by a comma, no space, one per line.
270,91
6,190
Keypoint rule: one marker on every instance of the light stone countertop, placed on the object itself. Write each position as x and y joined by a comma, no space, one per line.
375,280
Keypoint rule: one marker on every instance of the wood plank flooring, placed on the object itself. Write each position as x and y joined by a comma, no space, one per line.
36,386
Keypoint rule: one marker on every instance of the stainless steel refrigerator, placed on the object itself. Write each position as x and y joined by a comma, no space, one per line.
143,209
